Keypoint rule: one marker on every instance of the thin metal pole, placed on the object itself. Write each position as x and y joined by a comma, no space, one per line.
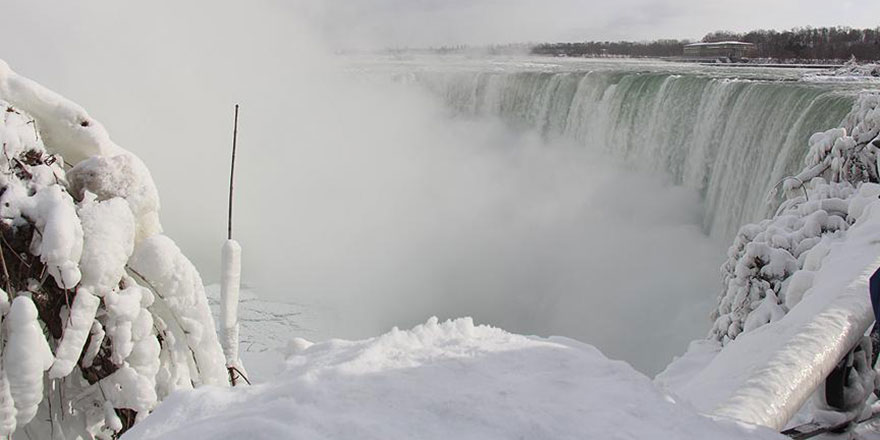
232,173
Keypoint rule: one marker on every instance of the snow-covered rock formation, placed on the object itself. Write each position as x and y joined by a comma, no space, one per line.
92,292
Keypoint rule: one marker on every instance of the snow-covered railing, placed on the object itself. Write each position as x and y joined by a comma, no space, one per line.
771,394
795,299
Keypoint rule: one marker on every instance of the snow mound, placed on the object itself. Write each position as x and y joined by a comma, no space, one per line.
440,381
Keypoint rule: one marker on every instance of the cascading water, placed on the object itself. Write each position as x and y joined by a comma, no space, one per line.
730,139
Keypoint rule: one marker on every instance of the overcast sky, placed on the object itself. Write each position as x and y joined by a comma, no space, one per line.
347,24
437,22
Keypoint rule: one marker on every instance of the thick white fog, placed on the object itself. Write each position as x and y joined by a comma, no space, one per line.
362,198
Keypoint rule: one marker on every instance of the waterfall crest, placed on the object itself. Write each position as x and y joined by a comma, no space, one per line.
729,139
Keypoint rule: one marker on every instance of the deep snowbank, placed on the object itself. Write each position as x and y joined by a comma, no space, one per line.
440,381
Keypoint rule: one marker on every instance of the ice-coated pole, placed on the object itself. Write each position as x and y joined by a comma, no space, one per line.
230,281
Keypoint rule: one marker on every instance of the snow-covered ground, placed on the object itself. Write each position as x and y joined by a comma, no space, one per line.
267,327
850,72
450,380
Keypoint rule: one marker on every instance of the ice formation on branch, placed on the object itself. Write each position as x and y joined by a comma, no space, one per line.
770,264
124,312
82,314
161,264
789,343
25,357
230,284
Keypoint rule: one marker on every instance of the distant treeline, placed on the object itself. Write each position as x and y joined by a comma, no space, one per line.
659,48
834,43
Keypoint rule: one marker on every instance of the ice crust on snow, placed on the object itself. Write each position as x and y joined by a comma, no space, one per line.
439,381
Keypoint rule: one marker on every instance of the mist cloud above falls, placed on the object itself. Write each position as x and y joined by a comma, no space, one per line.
392,213
362,197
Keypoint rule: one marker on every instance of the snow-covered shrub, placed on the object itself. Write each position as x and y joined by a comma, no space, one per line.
770,264
102,316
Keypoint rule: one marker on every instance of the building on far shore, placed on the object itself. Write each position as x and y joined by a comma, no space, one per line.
732,50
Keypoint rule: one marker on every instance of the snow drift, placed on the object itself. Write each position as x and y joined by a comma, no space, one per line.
440,381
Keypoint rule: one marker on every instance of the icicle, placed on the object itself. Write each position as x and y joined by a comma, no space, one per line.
59,243
7,406
97,333
182,305
144,356
110,418
125,388
4,302
108,241
82,314
26,357
123,309
230,283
